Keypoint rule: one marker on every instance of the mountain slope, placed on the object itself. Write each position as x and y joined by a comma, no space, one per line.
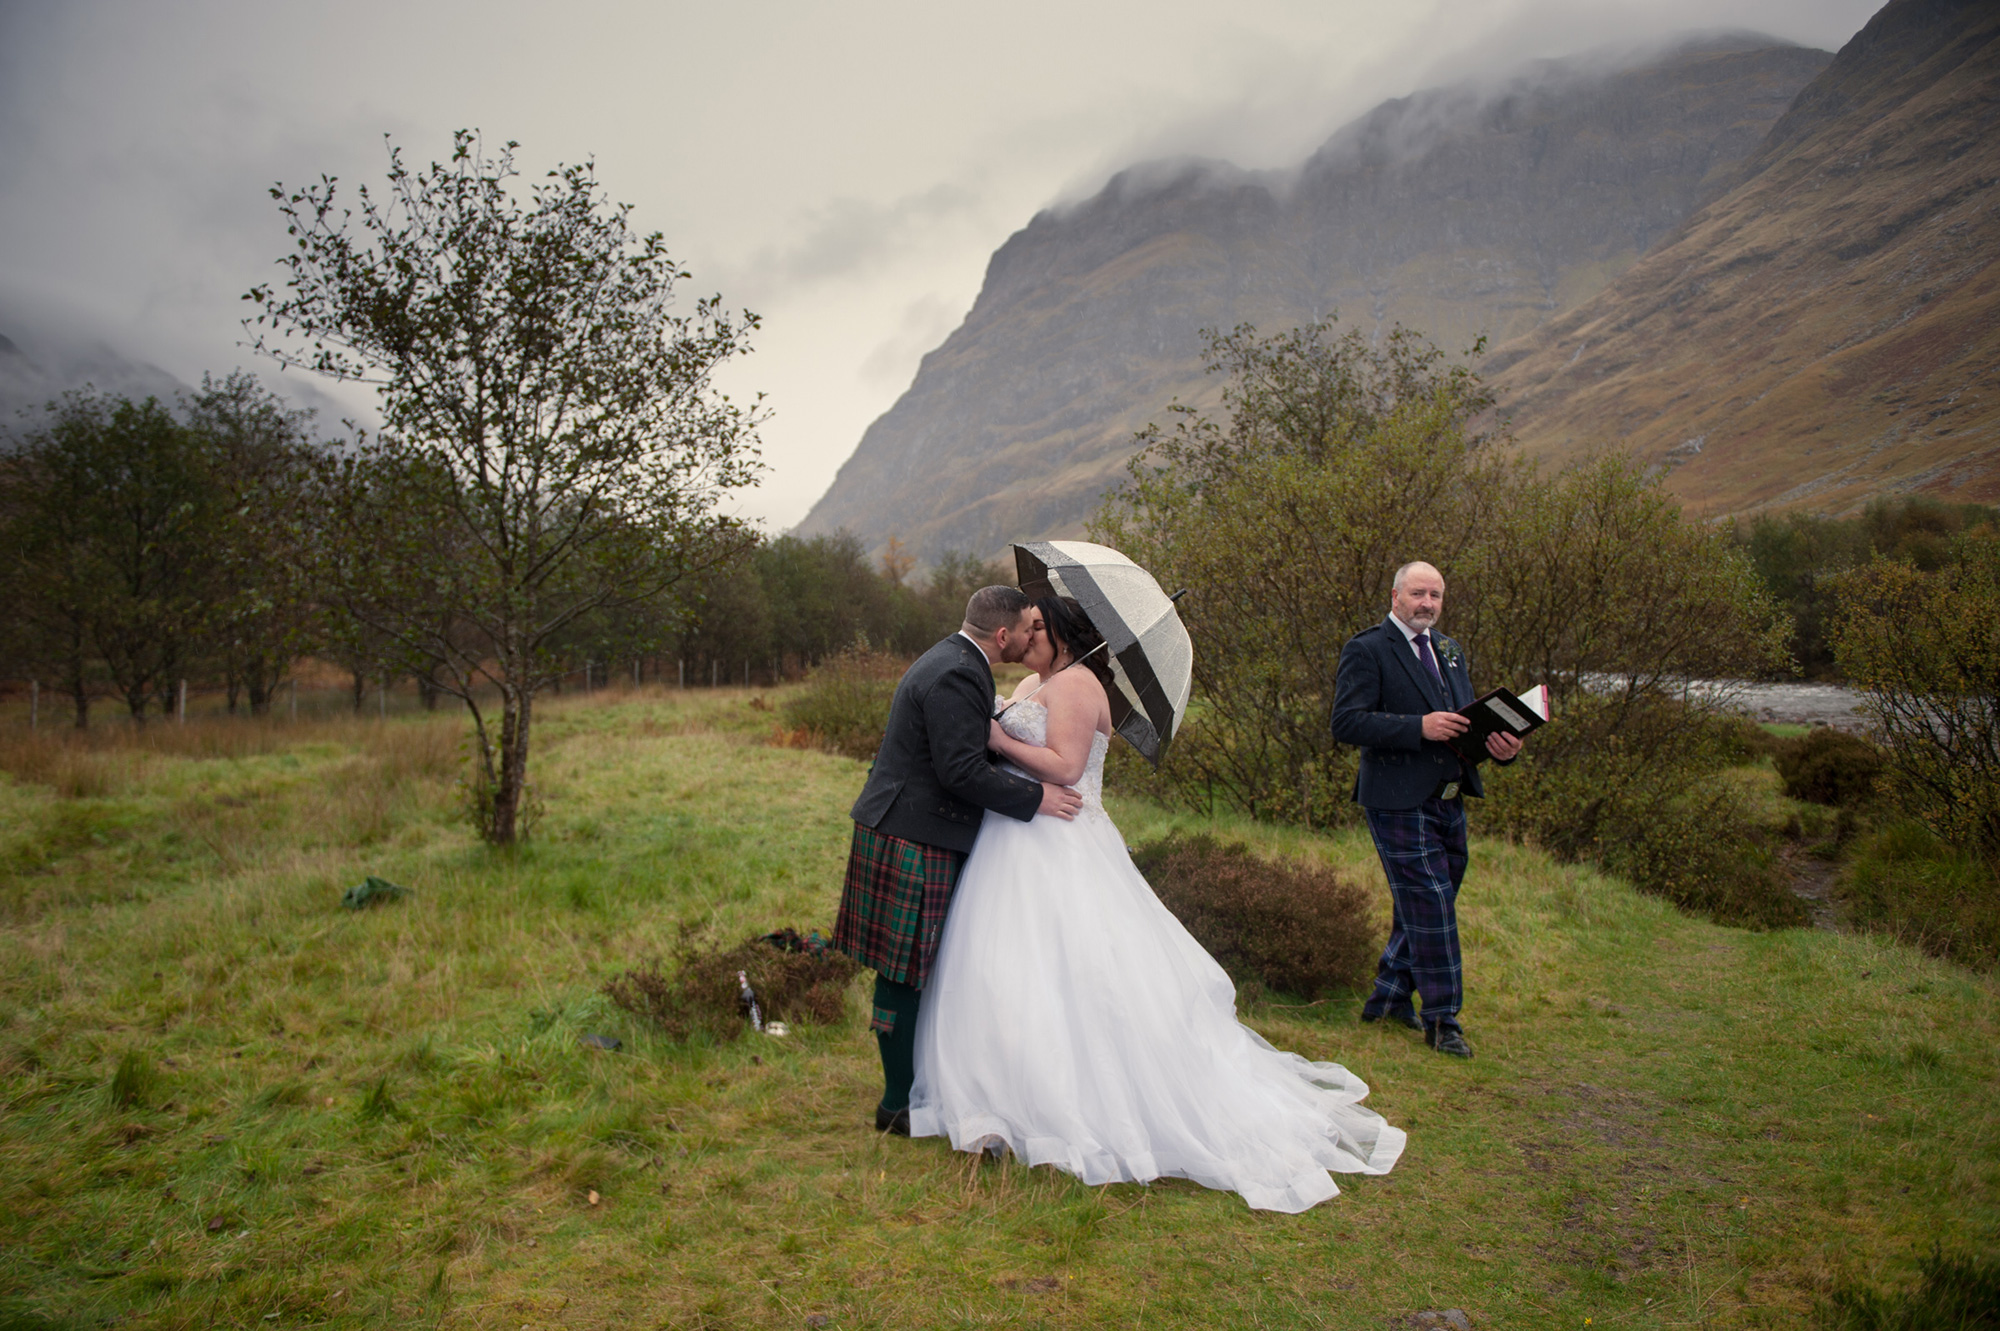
1457,211
41,358
1828,330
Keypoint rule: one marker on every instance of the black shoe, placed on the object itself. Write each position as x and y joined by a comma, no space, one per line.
896,1123
1404,1018
1448,1040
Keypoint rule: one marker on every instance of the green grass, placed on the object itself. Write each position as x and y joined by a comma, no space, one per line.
227,1101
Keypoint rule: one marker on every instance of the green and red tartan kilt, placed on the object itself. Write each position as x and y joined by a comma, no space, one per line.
893,903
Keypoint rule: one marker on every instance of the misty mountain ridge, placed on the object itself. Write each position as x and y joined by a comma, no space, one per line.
1829,330
46,352
38,365
1482,208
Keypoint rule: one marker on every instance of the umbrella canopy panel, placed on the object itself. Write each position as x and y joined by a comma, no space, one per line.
1152,659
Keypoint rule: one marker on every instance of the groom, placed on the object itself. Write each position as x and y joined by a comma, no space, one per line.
1397,694
932,782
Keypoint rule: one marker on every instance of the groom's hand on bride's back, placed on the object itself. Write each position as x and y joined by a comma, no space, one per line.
1060,801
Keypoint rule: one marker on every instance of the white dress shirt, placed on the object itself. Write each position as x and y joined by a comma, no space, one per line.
1410,636
982,651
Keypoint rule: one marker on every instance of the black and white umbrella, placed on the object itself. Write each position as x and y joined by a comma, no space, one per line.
1152,659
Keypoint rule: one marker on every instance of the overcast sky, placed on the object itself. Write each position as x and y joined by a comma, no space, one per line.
843,169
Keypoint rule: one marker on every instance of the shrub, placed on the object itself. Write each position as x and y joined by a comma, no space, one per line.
1337,457
1829,766
1295,928
796,979
844,706
1920,648
1906,881
1334,460
1742,740
1704,856
1665,824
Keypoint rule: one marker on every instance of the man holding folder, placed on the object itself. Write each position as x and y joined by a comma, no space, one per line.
1398,697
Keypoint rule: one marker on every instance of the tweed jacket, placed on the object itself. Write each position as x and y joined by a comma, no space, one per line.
1380,696
933,777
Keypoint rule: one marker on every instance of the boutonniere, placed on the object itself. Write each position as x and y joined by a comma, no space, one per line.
1449,652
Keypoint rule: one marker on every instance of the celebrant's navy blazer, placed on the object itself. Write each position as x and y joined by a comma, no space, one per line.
1379,699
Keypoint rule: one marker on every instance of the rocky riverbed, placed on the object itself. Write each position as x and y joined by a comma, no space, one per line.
1801,704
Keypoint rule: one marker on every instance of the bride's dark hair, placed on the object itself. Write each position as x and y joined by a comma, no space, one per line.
1071,631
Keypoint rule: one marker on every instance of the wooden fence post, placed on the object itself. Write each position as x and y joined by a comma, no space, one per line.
34,704
182,709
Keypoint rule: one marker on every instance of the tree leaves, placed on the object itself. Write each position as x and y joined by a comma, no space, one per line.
553,444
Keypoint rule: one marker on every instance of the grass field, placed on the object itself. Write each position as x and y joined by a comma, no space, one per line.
230,1102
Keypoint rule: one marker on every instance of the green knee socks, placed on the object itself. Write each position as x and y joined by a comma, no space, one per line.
896,1009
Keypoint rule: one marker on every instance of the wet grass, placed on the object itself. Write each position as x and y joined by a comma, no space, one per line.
226,1101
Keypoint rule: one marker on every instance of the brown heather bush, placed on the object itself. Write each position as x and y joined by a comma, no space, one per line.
844,706
1828,766
1298,929
698,992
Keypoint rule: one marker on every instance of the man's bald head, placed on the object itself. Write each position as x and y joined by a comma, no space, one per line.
1416,595
1413,566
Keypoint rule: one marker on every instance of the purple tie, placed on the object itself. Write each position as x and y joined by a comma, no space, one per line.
1430,662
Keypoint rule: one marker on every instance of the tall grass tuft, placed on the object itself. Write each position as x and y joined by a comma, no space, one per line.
378,1104
1952,1293
136,1083
1903,879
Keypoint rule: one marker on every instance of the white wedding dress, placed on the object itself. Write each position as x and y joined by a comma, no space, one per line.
1071,1017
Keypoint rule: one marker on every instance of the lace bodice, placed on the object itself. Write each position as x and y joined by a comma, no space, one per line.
1028,721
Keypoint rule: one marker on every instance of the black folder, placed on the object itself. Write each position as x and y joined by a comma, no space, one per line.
1498,712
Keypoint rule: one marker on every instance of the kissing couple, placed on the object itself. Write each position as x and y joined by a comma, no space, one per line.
1032,994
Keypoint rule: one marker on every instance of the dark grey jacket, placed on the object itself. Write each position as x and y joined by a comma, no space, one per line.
1379,700
933,777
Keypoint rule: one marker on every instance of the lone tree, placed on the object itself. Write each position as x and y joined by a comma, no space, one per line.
552,443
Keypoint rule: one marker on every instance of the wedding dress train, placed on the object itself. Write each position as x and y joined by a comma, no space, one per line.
1070,1016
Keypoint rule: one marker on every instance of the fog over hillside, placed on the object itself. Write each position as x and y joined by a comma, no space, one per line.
46,351
1486,207
39,362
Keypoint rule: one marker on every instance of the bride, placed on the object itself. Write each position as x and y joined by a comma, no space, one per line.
1071,1019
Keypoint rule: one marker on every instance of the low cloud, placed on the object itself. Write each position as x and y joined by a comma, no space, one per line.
848,236
926,322
846,172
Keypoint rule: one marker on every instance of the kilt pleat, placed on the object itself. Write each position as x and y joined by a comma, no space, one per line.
893,902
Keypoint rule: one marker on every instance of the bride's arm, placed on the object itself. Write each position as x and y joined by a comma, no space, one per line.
1075,700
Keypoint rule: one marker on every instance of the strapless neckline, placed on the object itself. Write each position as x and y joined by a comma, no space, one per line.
1028,721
